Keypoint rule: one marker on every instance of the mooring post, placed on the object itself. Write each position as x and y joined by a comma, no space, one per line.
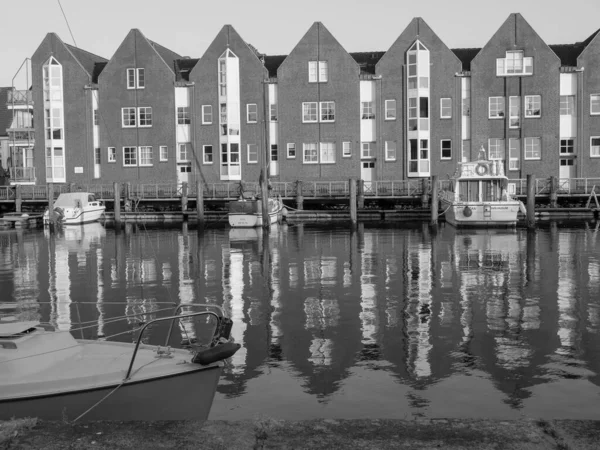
184,199
424,196
434,200
200,204
553,192
353,202
530,201
18,198
117,204
299,198
51,214
360,196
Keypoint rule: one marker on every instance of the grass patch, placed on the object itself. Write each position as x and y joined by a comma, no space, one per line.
10,429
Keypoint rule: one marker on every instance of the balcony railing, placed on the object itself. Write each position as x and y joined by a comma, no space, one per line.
22,174
19,98
21,137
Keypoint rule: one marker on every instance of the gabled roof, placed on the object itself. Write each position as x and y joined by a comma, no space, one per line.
367,60
5,114
466,55
568,53
183,67
167,55
85,58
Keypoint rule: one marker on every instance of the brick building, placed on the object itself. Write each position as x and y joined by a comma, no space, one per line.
150,115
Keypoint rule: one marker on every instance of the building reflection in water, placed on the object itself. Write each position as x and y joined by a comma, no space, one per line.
326,308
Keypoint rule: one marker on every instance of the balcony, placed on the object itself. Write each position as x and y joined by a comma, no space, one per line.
19,99
21,137
19,175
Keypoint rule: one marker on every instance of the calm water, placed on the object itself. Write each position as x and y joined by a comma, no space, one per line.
389,322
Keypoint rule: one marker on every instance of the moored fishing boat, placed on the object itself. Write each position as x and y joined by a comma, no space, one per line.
52,376
247,212
478,196
76,208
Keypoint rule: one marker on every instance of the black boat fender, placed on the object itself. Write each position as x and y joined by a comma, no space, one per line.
467,212
217,353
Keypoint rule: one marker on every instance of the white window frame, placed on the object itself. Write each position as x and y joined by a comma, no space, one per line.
447,107
148,112
129,109
273,112
250,106
528,142
500,112
318,72
594,104
346,149
322,106
141,150
530,115
111,155
367,110
514,101
183,115
498,145
163,153
96,121
442,149
390,150
526,65
204,154
207,114
139,71
313,147
327,152
514,152
131,81
185,145
291,146
567,145
390,109
594,149
367,150
308,106
249,152
133,153
567,105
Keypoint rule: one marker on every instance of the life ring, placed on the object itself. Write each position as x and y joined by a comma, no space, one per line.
481,170
467,212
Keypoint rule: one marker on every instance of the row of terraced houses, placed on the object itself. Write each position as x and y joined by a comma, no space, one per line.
150,115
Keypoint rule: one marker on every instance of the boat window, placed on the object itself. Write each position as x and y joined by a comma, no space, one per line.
469,191
491,190
91,198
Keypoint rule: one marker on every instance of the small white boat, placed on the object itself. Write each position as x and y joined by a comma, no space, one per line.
478,196
247,213
76,208
52,376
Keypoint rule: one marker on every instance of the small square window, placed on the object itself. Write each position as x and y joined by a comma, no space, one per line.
496,149
163,153
445,108
207,154
318,71
446,149
252,113
291,150
129,156
567,146
252,153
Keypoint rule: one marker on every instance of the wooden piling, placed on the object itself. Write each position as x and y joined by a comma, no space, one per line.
424,196
51,214
200,204
264,192
360,194
434,200
530,201
19,198
553,192
299,198
353,203
117,204
184,199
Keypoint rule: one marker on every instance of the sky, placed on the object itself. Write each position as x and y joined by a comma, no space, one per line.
274,27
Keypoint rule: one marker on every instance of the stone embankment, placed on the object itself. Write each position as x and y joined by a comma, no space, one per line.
268,433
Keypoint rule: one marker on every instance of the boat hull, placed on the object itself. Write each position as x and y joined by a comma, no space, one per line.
87,216
181,396
482,214
250,220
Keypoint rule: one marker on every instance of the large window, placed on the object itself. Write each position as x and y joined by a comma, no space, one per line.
533,106
207,154
207,114
496,148
367,150
496,107
183,115
291,150
310,154
595,146
327,111
318,71
594,104
514,63
252,153
445,108
533,148
309,112
136,78
514,151
129,156
567,146
145,156
251,113
514,112
367,111
567,105
327,152
390,110
128,117
446,149
390,150
184,153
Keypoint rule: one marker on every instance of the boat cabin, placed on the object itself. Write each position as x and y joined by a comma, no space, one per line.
479,181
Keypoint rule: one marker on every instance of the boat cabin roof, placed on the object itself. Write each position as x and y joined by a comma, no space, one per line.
70,199
480,170
12,329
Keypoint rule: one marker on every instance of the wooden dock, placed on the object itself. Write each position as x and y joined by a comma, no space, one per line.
21,220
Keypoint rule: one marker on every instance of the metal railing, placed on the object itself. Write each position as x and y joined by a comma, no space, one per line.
22,174
19,97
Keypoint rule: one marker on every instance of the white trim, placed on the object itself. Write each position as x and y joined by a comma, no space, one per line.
132,71
248,113
442,157
140,114
395,151
250,161
140,156
205,113
137,78
598,155
123,117
291,145
518,116
503,111
321,144
212,154
111,157
598,102
390,109
525,148
349,153
160,153
321,112
535,116
304,161
316,104
134,153
442,116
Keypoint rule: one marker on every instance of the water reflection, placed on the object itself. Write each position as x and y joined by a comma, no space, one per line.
377,322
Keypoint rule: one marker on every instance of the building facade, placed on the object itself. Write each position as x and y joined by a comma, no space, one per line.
149,115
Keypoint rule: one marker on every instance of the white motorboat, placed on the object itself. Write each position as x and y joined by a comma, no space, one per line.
76,208
478,196
52,376
247,213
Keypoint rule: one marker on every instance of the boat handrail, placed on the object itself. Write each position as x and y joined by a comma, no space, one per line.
181,305
162,319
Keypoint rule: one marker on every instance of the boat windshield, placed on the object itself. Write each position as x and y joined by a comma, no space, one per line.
481,190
